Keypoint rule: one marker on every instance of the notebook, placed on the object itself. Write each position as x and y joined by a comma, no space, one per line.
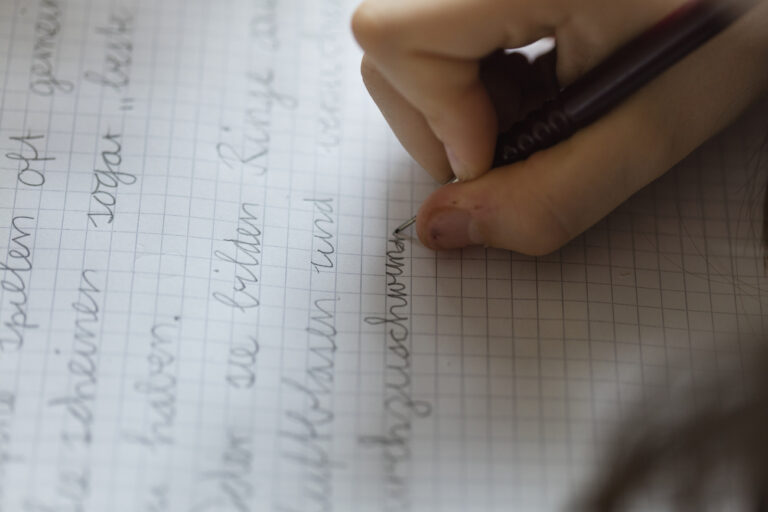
203,307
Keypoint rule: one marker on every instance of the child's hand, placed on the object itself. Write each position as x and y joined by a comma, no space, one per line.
422,67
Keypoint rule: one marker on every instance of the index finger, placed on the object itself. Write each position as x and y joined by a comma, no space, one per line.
428,50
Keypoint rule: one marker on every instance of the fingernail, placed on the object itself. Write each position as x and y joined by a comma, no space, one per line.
457,165
453,228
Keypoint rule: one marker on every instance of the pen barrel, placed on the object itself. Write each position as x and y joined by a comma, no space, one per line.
646,57
627,70
542,128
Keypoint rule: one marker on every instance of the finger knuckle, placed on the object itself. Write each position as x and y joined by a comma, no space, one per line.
540,233
371,25
546,239
368,70
543,227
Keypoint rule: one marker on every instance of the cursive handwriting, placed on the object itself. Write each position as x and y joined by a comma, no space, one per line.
29,159
308,444
399,406
43,80
7,408
107,180
158,388
74,474
83,364
158,500
15,272
118,52
241,364
263,97
308,434
245,258
263,26
72,490
329,43
230,486
324,250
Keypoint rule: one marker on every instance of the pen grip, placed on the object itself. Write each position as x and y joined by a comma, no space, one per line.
542,128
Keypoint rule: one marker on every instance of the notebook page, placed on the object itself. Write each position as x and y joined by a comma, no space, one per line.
202,307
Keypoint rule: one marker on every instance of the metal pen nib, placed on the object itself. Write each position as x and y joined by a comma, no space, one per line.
410,222
405,225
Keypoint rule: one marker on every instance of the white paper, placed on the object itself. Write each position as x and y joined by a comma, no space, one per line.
202,307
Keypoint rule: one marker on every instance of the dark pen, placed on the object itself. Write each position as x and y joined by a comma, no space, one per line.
608,84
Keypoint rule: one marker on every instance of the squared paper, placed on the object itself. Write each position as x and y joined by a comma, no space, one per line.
202,307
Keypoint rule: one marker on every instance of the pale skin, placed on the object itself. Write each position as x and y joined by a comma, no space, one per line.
422,68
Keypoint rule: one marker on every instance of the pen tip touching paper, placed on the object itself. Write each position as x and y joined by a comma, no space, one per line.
405,225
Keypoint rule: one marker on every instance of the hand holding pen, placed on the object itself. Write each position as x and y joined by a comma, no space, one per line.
426,66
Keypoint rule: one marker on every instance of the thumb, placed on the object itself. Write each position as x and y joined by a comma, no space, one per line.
538,205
